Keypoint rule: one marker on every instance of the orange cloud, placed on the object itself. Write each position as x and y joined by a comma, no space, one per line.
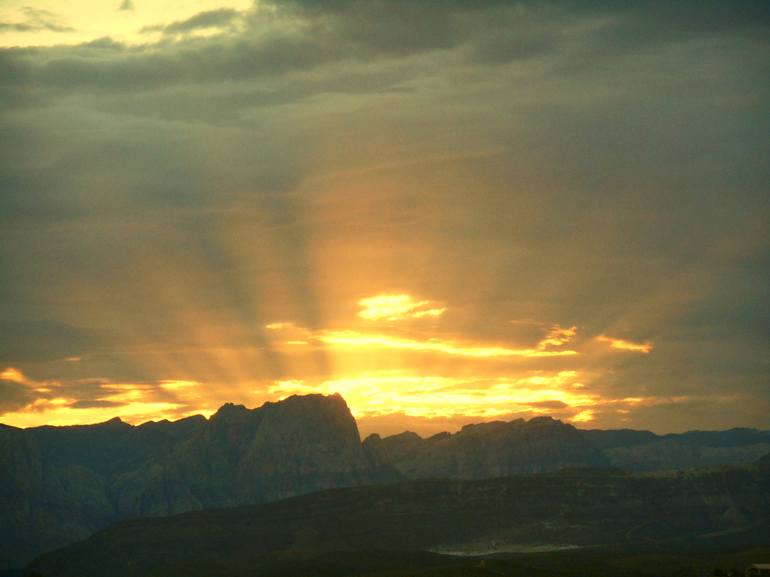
557,337
357,339
622,345
432,396
397,307
14,375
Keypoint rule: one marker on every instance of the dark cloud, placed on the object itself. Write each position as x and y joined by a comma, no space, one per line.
220,18
27,339
36,20
549,405
126,6
368,31
14,396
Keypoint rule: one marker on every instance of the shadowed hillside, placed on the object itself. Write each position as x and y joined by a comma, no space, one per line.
556,510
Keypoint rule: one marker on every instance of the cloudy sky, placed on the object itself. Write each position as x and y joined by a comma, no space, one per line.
446,211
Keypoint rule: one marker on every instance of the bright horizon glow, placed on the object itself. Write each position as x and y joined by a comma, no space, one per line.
475,394
397,307
436,396
356,339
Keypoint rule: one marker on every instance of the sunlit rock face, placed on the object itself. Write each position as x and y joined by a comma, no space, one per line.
488,450
59,484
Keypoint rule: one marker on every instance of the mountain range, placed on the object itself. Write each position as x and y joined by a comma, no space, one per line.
59,485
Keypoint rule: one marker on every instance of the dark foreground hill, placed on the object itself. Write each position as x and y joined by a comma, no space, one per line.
576,508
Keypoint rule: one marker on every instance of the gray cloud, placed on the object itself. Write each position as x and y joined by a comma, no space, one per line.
36,20
220,18
14,396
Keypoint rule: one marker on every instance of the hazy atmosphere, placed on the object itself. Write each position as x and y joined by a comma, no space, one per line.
447,212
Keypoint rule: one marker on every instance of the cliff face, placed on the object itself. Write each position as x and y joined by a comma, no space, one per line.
488,450
59,484
645,451
299,445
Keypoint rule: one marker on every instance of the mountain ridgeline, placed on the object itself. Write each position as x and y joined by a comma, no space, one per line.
60,484
488,450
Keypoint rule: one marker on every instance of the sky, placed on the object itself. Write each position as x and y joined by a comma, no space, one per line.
447,211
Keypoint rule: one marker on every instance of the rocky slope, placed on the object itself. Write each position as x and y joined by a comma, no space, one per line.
59,484
488,450
646,451
577,508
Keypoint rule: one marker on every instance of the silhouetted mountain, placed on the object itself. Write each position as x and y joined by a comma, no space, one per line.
646,451
59,484
618,438
568,508
488,450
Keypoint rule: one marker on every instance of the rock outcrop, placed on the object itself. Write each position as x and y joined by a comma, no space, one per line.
488,450
59,484
646,451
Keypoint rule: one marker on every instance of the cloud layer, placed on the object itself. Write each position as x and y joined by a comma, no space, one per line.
579,185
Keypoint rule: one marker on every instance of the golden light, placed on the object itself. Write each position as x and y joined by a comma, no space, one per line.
397,307
364,340
374,394
557,337
622,345
178,385
59,412
76,21
14,375
583,416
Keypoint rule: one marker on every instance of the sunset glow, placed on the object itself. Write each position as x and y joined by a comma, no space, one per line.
622,345
397,307
354,339
445,212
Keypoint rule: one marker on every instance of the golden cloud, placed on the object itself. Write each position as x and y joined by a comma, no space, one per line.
396,307
432,345
622,345
14,375
556,337
382,393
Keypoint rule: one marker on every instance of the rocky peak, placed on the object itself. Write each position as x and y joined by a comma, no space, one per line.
230,411
545,421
